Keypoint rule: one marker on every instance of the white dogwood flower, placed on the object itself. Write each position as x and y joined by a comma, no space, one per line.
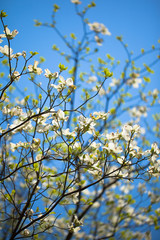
26,232
76,1
34,68
134,81
16,75
6,51
69,82
99,28
7,33
92,79
48,74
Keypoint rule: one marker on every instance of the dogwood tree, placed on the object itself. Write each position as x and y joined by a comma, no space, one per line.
75,161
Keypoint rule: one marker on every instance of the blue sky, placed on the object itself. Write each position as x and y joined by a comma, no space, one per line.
138,21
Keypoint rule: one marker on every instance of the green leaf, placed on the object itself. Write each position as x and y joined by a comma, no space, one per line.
157,227
110,57
112,111
3,14
42,59
40,96
54,47
55,8
13,192
36,237
72,35
70,212
1,74
147,79
62,67
37,209
36,166
101,61
87,49
107,73
148,68
4,62
46,209
37,23
52,212
33,53
119,38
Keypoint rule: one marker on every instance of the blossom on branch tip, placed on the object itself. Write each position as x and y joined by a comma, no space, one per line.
75,225
16,55
26,232
99,28
92,79
69,82
6,51
67,133
127,130
155,93
29,212
73,196
61,115
98,40
16,75
48,74
62,84
111,146
33,68
95,170
112,135
154,148
134,81
76,1
7,33
77,222
35,144
121,159
138,112
99,115
86,125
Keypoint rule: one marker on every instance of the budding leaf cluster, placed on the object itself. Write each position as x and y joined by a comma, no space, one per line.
3,14
107,73
62,67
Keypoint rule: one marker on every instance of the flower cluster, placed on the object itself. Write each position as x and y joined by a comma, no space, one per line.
99,28
62,84
134,81
6,51
92,79
16,75
75,225
85,125
50,75
99,115
114,82
138,112
8,34
34,69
